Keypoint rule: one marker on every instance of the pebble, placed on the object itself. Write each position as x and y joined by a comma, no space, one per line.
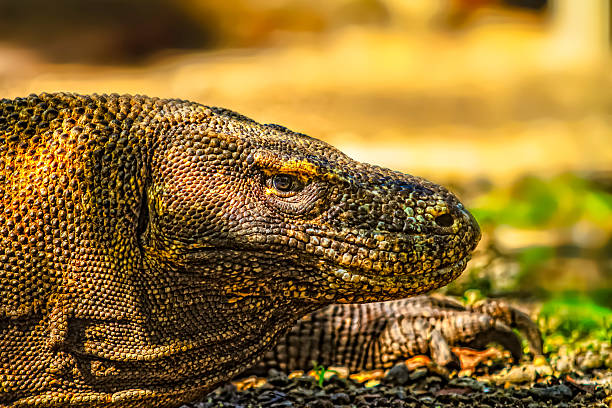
402,388
320,403
340,398
277,378
517,374
398,374
556,392
282,404
467,382
589,361
418,374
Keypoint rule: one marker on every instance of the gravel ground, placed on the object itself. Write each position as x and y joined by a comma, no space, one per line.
422,387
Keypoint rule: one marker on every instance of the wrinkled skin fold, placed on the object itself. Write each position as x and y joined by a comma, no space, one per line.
151,249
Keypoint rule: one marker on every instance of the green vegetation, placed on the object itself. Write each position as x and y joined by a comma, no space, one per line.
320,371
543,236
575,320
534,202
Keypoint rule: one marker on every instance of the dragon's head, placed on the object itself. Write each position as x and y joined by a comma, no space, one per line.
261,210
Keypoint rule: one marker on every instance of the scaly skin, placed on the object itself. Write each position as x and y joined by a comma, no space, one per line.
151,249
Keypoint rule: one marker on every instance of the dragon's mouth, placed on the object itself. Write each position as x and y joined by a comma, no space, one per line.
437,277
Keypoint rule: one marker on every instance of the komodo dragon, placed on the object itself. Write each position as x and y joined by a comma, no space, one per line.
151,249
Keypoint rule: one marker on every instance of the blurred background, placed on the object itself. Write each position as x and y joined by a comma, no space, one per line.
509,102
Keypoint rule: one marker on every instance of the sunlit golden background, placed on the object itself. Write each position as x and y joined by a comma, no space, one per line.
509,102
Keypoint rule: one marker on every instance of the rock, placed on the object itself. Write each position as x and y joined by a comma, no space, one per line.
608,361
277,378
299,392
362,402
418,374
427,400
282,404
320,403
433,380
340,398
589,361
556,393
270,396
305,381
398,374
367,400
543,370
519,374
228,392
564,363
467,382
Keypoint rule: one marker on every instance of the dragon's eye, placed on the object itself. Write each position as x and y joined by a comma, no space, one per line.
285,184
292,194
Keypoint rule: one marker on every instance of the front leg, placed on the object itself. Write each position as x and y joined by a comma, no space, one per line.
378,335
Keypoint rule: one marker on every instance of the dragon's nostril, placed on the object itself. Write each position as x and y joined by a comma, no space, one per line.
444,220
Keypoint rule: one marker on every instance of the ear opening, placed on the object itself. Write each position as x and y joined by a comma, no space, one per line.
143,217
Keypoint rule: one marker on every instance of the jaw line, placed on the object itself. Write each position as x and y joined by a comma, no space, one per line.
448,271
